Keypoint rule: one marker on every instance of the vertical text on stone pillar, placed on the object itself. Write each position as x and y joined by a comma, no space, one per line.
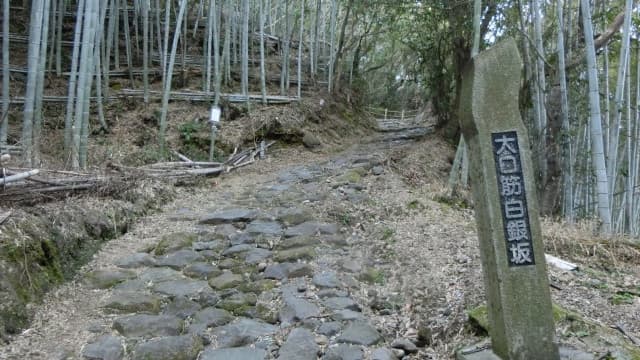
513,198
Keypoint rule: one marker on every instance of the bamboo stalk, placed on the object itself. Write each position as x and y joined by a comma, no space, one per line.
17,177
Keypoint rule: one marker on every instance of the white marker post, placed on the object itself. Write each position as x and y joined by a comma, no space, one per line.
214,121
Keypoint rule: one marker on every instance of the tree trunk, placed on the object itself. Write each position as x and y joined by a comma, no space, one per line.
217,77
93,38
597,150
145,50
37,115
83,78
208,45
35,35
71,96
336,67
300,46
334,10
62,8
245,48
284,72
263,85
168,76
565,139
4,120
127,41
614,138
226,51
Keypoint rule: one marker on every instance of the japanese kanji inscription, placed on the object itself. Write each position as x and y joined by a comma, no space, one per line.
513,198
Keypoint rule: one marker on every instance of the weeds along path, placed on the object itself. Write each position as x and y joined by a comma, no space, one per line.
302,255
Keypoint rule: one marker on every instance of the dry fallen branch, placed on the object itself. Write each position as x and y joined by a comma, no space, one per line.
18,176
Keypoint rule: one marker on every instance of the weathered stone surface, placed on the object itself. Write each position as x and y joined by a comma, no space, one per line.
326,279
238,302
292,255
310,140
103,279
257,255
238,249
136,260
347,315
377,170
212,317
225,231
343,352
241,353
181,307
300,269
330,328
351,265
229,263
296,309
187,288
340,303
133,302
516,276
174,241
332,292
300,345
276,271
383,354
225,281
299,174
243,238
294,216
106,347
311,228
335,240
229,216
201,270
406,345
147,326
133,285
298,241
242,332
264,227
186,347
179,259
159,275
360,333
209,245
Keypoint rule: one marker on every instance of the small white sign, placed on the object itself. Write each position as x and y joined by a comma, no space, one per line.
215,115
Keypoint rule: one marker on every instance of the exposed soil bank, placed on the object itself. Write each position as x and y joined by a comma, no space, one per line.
42,246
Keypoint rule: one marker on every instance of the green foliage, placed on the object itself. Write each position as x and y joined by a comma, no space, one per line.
195,140
387,234
414,205
623,297
373,276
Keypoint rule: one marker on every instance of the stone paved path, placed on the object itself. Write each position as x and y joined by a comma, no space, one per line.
261,275
249,282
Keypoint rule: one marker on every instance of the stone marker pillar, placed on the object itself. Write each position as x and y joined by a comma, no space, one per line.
506,208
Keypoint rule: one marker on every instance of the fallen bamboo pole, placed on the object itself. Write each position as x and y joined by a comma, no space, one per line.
19,176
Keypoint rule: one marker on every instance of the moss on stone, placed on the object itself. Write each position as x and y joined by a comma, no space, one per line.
372,276
175,241
573,325
295,254
257,287
352,176
268,314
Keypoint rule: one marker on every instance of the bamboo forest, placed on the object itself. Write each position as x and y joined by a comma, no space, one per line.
320,179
